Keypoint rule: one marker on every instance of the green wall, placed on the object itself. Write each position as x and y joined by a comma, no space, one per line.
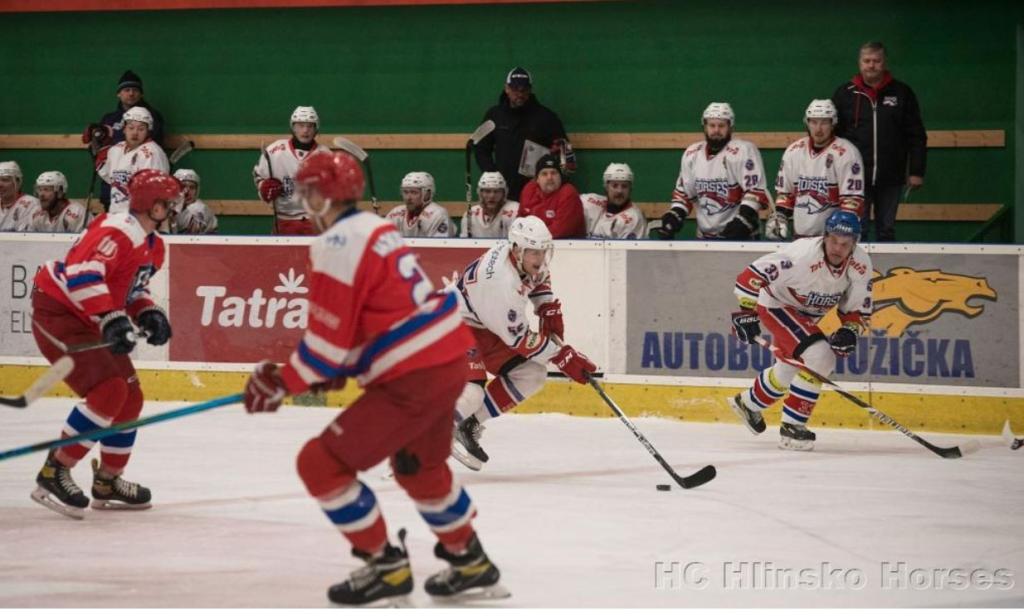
604,67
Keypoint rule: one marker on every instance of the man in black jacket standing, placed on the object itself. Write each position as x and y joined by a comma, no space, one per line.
519,118
881,117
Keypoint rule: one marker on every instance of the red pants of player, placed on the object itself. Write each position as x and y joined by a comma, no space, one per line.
107,382
516,378
301,226
791,331
409,421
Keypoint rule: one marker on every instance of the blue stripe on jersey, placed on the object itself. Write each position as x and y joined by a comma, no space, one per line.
83,279
80,422
509,385
788,321
356,510
313,361
493,410
121,439
399,334
452,513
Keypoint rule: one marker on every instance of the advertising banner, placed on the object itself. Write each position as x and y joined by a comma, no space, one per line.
19,261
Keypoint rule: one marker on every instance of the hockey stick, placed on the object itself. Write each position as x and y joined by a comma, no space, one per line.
53,375
701,477
95,435
270,172
363,157
945,452
481,131
181,151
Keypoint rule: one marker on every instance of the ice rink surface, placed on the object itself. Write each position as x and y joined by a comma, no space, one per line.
568,511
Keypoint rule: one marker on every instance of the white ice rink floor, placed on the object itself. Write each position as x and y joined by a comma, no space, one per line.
568,511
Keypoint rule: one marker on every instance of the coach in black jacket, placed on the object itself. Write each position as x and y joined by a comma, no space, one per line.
881,117
518,116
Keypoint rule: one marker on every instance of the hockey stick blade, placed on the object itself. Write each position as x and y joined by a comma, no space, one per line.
482,131
181,151
53,375
351,148
699,478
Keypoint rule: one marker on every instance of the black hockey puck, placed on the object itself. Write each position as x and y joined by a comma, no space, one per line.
663,487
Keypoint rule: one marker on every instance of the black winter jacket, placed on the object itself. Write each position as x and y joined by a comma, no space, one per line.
885,125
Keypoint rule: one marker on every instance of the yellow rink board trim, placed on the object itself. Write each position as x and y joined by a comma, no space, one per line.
918,412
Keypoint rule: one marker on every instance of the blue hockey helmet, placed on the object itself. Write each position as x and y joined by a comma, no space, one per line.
842,222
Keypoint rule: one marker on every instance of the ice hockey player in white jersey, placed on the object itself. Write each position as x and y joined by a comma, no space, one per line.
118,163
498,290
613,214
274,173
491,217
195,217
419,215
723,179
56,214
16,208
818,174
788,292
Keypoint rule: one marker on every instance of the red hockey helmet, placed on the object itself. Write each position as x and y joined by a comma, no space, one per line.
151,185
336,175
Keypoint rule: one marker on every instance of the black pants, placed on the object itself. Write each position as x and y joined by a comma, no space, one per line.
884,200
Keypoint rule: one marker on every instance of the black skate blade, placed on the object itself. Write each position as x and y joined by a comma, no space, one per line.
400,602
699,478
743,419
465,458
112,505
44,498
494,592
790,444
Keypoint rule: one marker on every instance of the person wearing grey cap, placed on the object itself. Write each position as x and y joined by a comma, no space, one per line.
110,129
524,129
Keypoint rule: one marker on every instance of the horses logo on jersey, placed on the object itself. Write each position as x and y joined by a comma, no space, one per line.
716,196
820,192
906,297
815,300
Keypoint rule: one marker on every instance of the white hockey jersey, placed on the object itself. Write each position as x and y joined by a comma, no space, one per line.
197,218
798,276
71,219
121,164
717,185
433,221
811,185
495,298
284,162
17,216
628,224
475,222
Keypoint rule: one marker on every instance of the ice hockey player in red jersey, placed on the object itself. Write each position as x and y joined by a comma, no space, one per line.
789,291
375,317
99,292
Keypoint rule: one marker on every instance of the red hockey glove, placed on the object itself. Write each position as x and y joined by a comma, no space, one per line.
265,390
574,364
337,382
101,156
271,189
551,319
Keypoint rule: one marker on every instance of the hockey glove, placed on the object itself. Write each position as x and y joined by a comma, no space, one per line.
843,341
337,382
271,189
671,222
551,319
776,227
574,364
118,332
743,225
746,325
265,390
153,322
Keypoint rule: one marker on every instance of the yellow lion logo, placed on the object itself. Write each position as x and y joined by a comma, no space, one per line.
906,297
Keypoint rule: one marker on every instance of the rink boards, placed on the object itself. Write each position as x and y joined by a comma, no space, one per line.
944,353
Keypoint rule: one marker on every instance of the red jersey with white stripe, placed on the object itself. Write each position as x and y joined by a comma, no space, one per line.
813,182
373,313
108,268
799,277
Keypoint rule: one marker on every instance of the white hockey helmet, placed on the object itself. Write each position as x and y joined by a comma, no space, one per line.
530,232
55,179
305,114
719,111
822,108
420,179
492,180
10,169
618,172
187,175
138,114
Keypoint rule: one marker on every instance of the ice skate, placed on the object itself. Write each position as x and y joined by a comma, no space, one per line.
471,575
751,418
58,491
110,492
795,437
466,447
385,581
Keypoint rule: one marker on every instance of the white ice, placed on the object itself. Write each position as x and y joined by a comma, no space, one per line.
568,510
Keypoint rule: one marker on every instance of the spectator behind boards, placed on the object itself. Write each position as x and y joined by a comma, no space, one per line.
553,200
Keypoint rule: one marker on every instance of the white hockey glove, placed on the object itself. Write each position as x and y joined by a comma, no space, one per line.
776,227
